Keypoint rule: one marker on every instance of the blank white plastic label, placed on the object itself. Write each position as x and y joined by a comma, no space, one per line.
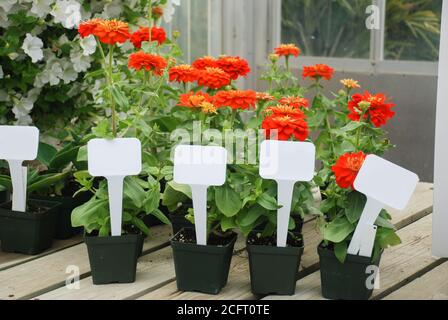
18,142
386,182
117,157
287,160
200,165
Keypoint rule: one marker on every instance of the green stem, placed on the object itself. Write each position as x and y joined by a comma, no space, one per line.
114,111
150,20
233,117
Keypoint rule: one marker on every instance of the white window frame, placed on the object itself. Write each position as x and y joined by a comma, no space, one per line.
376,64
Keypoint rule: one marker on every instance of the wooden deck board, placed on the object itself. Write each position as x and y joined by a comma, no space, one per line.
399,264
47,273
433,285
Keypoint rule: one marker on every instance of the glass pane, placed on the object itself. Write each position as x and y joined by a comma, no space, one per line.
335,28
413,29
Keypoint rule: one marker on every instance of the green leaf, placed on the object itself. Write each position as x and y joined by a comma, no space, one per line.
356,203
251,216
159,215
134,191
227,200
152,200
63,158
82,154
387,237
120,98
228,223
46,181
46,153
90,214
340,251
381,222
5,181
338,230
141,225
268,202
182,188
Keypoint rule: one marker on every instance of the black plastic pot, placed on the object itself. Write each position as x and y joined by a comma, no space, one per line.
273,270
113,259
28,232
344,281
202,268
63,228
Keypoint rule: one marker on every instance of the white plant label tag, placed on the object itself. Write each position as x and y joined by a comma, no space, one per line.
200,167
17,144
286,162
114,159
384,184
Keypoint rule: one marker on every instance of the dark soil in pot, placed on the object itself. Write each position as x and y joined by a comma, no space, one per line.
344,281
202,268
273,270
29,232
113,259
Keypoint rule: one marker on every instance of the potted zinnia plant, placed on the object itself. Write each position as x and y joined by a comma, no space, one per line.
114,258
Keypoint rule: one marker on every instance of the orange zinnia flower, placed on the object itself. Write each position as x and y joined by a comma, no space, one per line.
287,50
264,96
347,167
157,12
286,127
193,99
157,34
205,62
234,66
112,31
213,78
285,110
318,71
88,27
150,62
236,99
296,102
183,73
378,110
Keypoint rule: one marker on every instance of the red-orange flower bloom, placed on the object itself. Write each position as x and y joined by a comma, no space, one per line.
296,102
194,99
157,12
286,127
287,50
112,31
379,111
234,66
347,167
213,78
150,62
236,99
285,110
318,71
183,73
205,62
88,27
157,34
264,96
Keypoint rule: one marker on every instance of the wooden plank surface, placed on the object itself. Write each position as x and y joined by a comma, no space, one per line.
41,275
8,260
431,286
399,265
239,282
153,271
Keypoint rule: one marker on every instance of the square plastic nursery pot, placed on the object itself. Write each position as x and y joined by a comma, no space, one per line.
273,270
344,281
63,227
113,259
29,232
202,268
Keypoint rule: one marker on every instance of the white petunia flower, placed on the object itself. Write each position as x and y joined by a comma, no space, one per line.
113,9
41,7
81,63
55,73
69,74
33,47
63,40
88,45
4,23
67,13
168,11
22,109
7,4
